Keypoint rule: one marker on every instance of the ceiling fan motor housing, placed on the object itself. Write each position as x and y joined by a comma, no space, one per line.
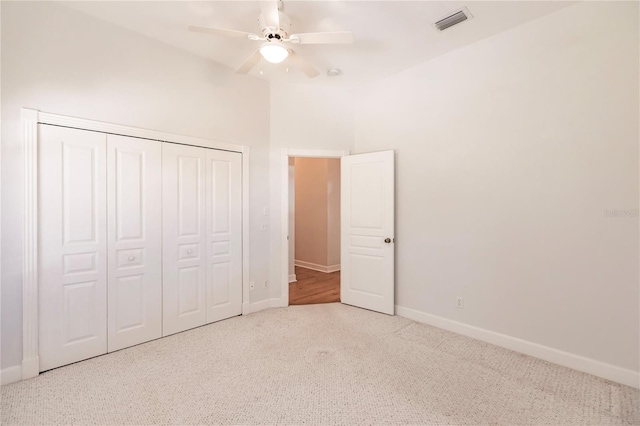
283,31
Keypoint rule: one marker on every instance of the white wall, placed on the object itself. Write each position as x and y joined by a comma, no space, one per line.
317,208
58,60
509,151
303,117
311,210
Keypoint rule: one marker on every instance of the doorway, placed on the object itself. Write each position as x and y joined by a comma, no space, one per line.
313,228
367,217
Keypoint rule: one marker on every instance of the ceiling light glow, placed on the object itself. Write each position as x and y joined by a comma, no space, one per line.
274,52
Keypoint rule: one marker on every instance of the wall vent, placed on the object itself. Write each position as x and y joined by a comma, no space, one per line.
452,19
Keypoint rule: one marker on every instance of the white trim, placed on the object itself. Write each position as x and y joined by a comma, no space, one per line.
10,375
30,354
317,267
566,359
315,153
284,176
136,132
245,228
250,308
30,119
284,215
292,278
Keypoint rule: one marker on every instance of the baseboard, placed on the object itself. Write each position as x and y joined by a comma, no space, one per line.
30,367
10,375
250,308
566,359
316,267
292,278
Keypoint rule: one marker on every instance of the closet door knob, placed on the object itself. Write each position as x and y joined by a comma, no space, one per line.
131,258
387,240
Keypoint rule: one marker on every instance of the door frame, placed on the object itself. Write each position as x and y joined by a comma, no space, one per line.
30,118
284,242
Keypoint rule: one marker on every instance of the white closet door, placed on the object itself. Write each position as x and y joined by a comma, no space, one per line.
73,245
134,182
184,237
224,235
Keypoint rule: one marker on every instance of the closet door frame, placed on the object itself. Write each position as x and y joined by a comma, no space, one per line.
30,118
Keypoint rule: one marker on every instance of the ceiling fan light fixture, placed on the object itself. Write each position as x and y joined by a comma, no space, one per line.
274,52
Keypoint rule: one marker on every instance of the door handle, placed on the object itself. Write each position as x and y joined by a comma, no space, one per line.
387,240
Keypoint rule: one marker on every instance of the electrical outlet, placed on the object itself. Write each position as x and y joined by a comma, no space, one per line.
252,286
265,211
460,302
264,226
266,283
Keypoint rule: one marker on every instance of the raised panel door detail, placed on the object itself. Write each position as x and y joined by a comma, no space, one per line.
129,194
366,196
184,274
189,251
129,258
189,197
79,263
360,241
79,191
188,284
220,194
72,245
130,299
220,284
80,302
364,271
224,235
134,175
219,248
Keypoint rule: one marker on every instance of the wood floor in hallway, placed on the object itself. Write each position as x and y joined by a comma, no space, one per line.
314,287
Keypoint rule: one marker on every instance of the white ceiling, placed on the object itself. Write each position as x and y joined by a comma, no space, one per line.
389,35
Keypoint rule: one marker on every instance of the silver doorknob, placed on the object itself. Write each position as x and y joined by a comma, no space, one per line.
387,240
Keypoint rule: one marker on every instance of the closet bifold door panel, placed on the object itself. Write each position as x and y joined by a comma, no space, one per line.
224,234
137,239
134,203
184,268
72,245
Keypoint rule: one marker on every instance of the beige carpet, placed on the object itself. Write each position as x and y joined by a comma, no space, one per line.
317,364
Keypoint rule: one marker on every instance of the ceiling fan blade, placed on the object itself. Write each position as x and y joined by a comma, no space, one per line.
249,63
222,32
299,62
270,13
338,37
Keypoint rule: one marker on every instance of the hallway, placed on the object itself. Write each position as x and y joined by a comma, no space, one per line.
314,287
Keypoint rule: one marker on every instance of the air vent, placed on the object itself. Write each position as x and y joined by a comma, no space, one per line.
453,19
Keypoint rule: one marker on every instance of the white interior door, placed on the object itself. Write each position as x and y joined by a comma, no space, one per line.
134,182
224,234
184,237
73,245
367,222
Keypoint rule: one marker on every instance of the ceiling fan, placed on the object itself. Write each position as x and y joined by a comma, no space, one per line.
275,34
